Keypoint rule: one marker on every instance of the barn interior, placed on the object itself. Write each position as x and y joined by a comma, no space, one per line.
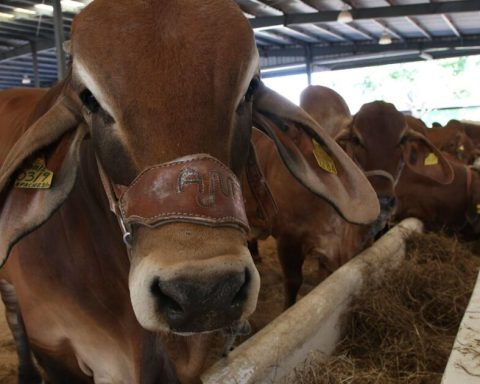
301,37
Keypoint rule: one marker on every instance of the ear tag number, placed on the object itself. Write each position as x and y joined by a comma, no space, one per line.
461,148
323,160
36,176
431,159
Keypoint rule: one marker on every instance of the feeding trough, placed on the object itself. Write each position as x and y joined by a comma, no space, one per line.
313,323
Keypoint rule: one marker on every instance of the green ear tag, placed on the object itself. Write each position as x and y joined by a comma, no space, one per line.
323,160
431,159
36,176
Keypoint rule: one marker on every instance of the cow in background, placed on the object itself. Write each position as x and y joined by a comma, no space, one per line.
122,217
381,142
306,226
455,205
429,184
453,139
327,107
472,129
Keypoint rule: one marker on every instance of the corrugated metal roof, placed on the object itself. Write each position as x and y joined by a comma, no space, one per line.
287,31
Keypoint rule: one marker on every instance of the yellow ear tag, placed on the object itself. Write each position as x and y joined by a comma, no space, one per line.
36,176
478,209
461,148
431,159
324,161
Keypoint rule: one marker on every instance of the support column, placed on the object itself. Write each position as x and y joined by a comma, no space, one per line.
36,78
59,38
308,62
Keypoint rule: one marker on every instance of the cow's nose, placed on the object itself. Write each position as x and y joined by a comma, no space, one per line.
194,306
387,202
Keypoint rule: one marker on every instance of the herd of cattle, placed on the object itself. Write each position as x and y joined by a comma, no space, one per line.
129,190
428,173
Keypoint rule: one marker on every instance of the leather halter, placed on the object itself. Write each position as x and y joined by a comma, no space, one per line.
194,189
267,208
469,183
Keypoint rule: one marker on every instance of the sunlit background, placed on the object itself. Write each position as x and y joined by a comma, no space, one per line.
433,90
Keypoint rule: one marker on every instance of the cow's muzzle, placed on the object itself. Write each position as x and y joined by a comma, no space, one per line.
196,295
197,306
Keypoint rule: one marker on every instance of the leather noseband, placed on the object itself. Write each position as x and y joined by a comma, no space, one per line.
195,189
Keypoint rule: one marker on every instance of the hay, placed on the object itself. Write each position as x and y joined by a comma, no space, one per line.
401,330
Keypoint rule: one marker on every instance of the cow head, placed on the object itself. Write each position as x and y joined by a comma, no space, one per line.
166,106
456,142
381,142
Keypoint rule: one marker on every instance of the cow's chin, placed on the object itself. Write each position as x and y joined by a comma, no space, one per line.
195,294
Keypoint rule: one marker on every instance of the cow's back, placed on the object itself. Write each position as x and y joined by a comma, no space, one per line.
16,107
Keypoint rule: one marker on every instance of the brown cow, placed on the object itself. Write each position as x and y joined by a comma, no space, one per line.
454,140
381,142
305,225
455,205
153,125
327,108
472,129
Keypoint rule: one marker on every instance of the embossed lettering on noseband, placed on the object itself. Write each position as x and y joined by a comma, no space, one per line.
216,181
196,188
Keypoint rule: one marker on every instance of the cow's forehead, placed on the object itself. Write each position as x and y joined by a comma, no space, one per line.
379,120
154,43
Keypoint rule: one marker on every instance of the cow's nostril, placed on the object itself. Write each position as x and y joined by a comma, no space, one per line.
164,301
242,293
392,202
387,202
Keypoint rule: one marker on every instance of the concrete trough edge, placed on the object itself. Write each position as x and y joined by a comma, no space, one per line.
464,363
313,323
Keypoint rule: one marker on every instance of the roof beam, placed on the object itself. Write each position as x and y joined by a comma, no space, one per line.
451,25
26,49
297,69
369,13
369,47
419,27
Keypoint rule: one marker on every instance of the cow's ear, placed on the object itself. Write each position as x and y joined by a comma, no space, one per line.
314,158
38,173
423,158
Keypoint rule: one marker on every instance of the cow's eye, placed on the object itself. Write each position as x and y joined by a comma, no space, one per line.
355,140
253,86
89,101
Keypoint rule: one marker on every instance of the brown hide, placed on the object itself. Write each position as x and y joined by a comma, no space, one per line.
304,226
167,86
454,140
69,266
327,108
416,124
73,322
453,205
472,129
293,132
379,139
16,105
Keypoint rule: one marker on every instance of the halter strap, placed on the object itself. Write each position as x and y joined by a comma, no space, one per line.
267,208
195,188
469,183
